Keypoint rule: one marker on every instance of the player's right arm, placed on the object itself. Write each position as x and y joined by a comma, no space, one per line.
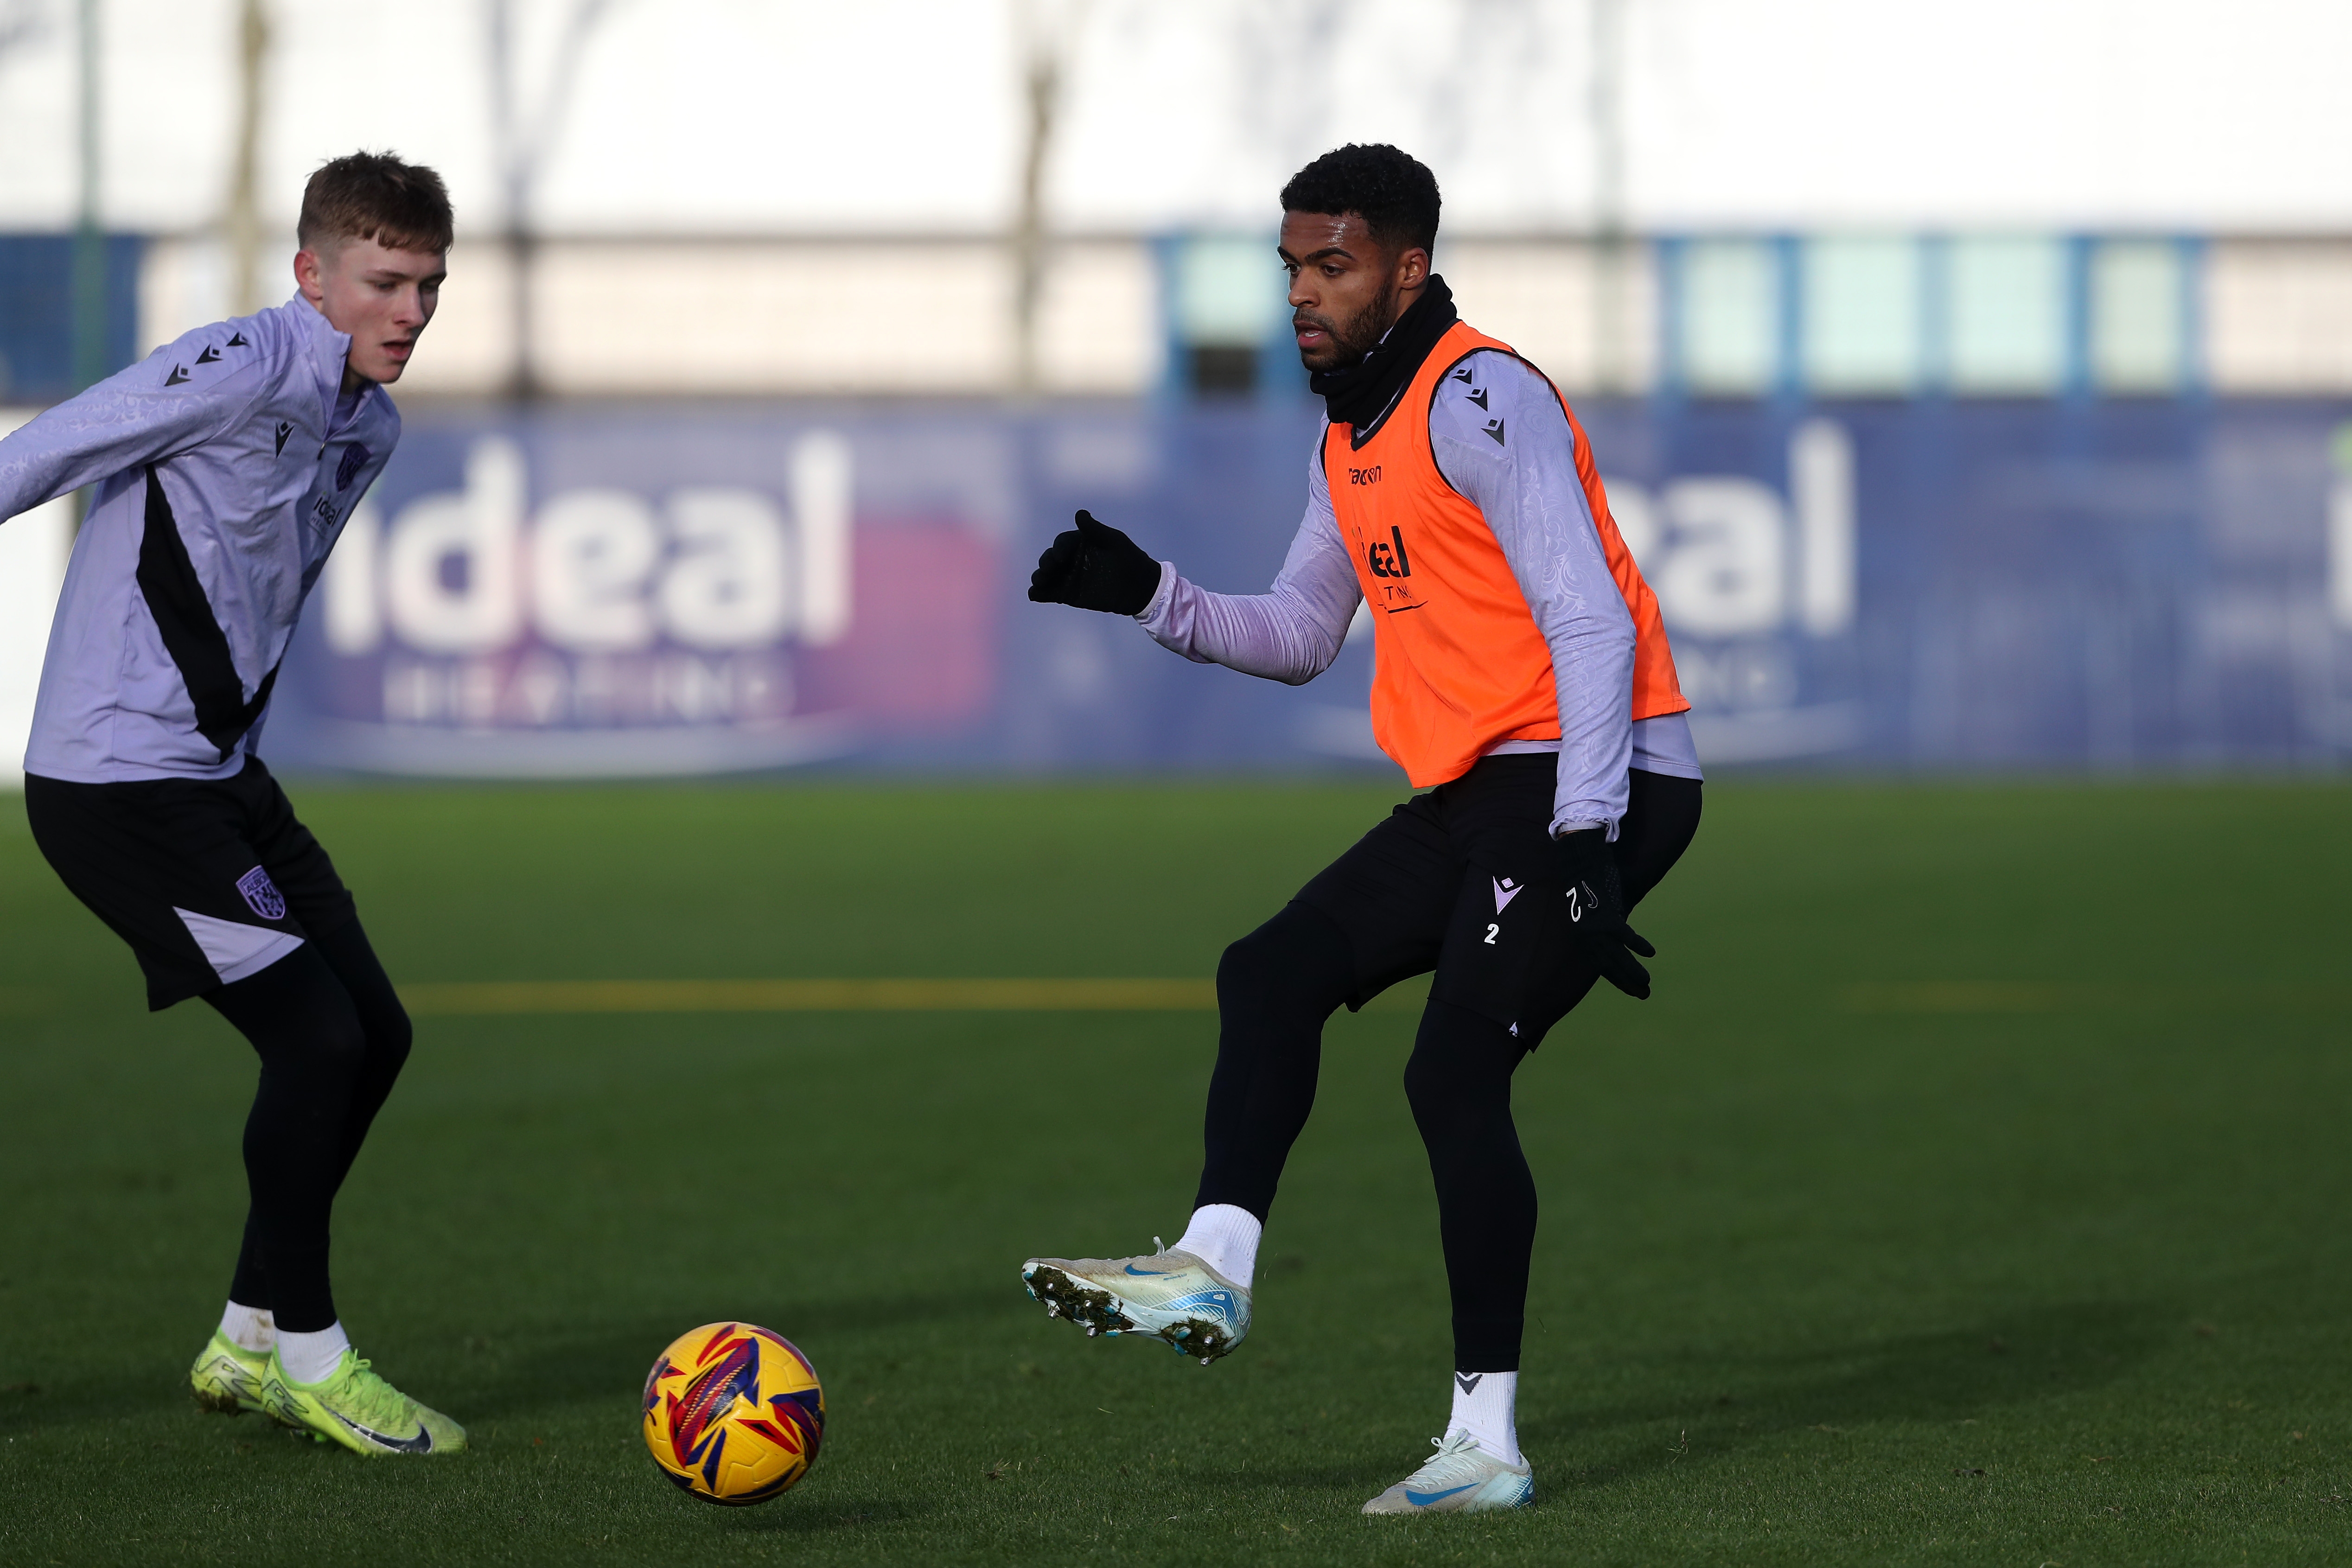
133,417
1291,633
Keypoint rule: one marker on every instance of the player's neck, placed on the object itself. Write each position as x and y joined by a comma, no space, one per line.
1361,394
1402,300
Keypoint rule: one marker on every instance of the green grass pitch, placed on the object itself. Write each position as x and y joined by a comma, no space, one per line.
1974,1191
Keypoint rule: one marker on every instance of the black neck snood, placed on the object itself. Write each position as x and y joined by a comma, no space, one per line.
1363,395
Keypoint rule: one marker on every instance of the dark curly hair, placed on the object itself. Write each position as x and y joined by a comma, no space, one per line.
1394,191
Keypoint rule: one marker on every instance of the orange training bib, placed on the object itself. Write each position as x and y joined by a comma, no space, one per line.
1459,664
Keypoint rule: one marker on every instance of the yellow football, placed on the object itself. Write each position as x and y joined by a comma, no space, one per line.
734,1413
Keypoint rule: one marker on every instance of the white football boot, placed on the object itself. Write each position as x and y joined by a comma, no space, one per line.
1172,1296
1460,1477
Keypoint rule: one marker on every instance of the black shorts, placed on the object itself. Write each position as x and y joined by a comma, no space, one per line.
209,880
1460,881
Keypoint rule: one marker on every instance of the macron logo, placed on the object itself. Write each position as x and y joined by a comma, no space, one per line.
1504,891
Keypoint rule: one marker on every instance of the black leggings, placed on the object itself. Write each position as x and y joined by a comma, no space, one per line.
1276,986
332,1037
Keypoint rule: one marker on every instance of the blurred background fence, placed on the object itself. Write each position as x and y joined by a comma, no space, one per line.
778,342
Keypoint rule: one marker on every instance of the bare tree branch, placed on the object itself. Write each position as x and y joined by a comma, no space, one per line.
241,222
22,23
525,139
1047,33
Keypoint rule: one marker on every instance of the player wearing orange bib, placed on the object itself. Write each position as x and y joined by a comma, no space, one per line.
1524,680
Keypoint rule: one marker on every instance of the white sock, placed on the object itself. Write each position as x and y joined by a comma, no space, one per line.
248,1327
309,1358
1487,1406
1226,1237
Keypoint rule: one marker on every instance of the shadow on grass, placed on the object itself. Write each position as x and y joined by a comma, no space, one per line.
506,1378
517,1377
833,1516
2018,1359
24,1406
1709,1405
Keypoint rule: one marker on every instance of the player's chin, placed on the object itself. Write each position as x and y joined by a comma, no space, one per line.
388,366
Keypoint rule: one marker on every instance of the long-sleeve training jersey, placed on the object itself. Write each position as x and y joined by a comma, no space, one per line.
225,470
1531,496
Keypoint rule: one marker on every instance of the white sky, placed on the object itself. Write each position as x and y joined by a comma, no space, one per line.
765,116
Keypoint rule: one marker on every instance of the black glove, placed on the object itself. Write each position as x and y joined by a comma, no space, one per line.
1094,567
1596,911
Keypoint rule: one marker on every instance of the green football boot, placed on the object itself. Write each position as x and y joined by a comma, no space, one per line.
353,1406
227,1378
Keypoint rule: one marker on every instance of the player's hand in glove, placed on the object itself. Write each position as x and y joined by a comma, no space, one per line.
1094,567
1596,911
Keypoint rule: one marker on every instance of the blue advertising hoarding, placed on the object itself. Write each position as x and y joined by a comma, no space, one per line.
615,591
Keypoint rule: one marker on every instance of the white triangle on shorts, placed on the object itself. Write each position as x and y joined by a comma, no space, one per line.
235,950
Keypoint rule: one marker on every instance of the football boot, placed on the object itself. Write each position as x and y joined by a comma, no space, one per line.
1171,1296
1460,1477
352,1406
227,1378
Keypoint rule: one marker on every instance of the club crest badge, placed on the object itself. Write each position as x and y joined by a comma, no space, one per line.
261,895
354,459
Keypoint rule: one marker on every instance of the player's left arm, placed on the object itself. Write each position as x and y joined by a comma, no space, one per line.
143,413
1503,441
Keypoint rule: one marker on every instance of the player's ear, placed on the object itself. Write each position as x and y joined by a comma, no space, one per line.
1412,267
307,275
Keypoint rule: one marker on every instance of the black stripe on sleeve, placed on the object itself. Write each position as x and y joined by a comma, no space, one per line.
192,634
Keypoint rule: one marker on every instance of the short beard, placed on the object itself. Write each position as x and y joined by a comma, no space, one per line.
1359,335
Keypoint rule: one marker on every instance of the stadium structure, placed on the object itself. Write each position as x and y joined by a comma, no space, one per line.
1918,484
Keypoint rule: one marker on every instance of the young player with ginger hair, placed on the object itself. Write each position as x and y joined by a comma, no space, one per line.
1522,677
225,465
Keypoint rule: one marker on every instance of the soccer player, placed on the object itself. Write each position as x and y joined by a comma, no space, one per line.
1522,671
226,466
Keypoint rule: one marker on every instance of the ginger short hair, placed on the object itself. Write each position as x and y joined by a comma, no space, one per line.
374,195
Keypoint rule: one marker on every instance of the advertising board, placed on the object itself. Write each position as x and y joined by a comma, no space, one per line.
585,592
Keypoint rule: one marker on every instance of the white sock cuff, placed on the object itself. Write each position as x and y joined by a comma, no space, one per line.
1226,1237
248,1327
309,1358
1486,1406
